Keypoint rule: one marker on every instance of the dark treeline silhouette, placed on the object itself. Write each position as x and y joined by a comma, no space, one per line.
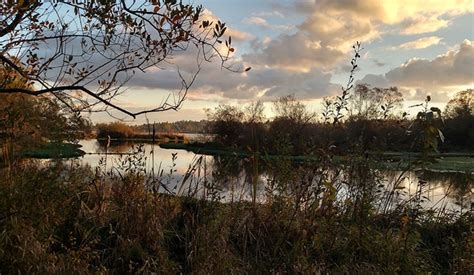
182,126
375,123
120,130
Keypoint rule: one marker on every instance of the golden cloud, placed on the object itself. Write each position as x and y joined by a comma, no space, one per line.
423,25
421,43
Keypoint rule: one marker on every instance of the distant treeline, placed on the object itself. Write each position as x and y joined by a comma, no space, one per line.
182,126
287,137
372,123
120,130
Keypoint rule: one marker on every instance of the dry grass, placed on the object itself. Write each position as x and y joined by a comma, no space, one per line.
59,219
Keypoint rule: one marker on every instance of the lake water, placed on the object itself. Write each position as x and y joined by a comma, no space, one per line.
231,178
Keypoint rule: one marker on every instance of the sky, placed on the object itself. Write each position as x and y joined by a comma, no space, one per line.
304,48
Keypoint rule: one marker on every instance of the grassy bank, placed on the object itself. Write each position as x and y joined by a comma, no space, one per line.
145,138
122,132
54,150
449,162
112,224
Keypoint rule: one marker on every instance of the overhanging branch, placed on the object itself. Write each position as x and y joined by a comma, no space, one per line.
66,88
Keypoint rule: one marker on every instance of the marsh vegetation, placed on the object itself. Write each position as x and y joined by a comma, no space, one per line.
140,208
363,189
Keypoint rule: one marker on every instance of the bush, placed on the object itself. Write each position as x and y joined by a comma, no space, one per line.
115,130
69,219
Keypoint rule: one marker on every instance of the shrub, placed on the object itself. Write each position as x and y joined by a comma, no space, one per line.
115,130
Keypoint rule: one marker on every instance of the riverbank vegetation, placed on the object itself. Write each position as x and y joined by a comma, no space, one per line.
182,126
376,122
318,215
38,127
311,217
121,132
77,220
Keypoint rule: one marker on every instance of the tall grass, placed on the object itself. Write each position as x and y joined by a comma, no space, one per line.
60,218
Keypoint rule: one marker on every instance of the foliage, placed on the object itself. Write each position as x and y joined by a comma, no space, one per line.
86,51
113,222
226,122
375,103
289,126
27,122
182,126
247,128
427,127
340,104
378,129
462,105
54,150
118,130
459,122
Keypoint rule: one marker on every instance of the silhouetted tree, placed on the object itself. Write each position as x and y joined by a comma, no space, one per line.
459,125
375,103
226,122
291,120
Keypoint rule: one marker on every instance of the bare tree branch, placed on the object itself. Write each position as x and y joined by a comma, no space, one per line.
95,47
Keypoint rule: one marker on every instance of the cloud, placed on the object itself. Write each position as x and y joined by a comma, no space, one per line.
264,83
330,28
378,63
321,41
306,85
262,22
339,32
255,20
423,24
395,11
420,94
413,17
420,43
268,14
171,116
261,82
299,62
295,52
456,67
374,80
237,35
439,77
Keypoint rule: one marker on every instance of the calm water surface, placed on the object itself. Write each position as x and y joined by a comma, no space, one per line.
179,171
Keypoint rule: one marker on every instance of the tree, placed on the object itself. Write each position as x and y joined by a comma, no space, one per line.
459,125
28,121
84,52
375,103
286,130
226,122
254,130
288,107
115,130
462,105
